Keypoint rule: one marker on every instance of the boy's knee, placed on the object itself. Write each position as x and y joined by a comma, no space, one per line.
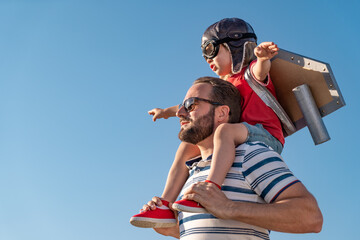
224,129
232,130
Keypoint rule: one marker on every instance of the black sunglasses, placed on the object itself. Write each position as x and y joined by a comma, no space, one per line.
188,104
211,47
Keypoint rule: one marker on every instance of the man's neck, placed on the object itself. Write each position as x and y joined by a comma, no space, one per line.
206,147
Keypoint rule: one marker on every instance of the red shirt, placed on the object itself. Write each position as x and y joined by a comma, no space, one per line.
254,110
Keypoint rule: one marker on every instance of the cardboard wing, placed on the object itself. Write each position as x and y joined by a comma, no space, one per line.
290,70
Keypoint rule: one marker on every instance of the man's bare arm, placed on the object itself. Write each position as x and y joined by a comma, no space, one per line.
294,211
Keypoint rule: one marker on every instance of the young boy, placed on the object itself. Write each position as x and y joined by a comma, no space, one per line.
229,47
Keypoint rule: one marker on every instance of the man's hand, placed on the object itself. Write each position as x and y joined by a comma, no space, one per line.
266,50
210,197
171,231
151,205
294,211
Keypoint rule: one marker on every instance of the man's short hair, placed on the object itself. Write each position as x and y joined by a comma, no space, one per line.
225,93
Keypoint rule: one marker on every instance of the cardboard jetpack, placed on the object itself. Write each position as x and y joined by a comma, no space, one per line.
307,91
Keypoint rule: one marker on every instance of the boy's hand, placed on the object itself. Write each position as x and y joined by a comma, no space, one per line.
266,50
163,113
158,113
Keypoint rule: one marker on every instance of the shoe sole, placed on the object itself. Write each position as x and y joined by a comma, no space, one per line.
183,208
150,223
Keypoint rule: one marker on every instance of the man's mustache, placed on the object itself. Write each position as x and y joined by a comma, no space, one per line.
185,119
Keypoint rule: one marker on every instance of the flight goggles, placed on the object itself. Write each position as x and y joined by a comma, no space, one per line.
211,47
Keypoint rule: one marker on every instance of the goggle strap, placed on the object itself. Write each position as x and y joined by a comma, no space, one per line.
228,39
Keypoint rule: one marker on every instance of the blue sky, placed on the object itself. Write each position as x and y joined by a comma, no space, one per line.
79,155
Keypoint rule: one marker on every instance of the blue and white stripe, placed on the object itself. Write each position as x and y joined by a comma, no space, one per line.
258,174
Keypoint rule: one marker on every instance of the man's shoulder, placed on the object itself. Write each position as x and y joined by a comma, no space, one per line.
250,146
253,149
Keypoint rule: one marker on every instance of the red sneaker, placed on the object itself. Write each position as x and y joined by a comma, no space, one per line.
189,206
161,217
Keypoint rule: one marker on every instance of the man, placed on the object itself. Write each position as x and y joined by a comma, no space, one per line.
259,193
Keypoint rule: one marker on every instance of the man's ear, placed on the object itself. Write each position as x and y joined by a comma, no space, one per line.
222,113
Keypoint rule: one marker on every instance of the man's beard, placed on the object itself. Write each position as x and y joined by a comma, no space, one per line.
201,128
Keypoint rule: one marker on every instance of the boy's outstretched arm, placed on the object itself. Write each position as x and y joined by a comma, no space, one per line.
163,113
264,52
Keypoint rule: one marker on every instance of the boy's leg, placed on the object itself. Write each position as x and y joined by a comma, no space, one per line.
163,216
179,172
226,137
257,133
